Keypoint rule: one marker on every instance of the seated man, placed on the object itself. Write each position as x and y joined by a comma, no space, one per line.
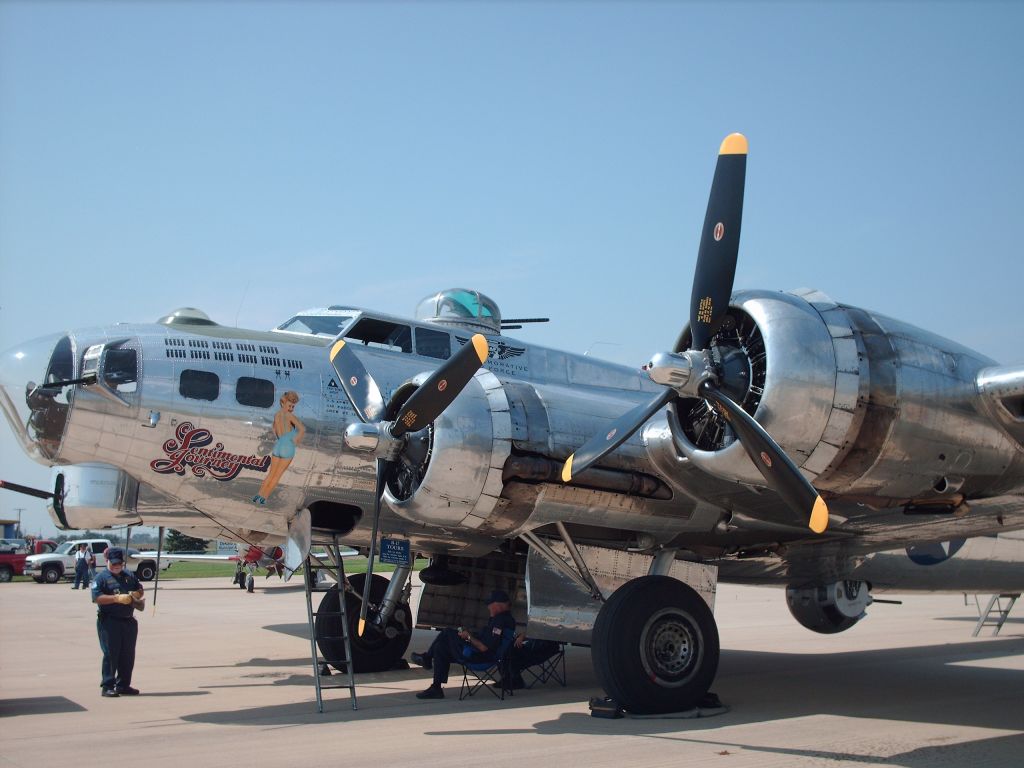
452,645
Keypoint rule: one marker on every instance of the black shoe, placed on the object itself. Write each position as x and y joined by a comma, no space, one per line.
423,659
128,691
433,692
109,693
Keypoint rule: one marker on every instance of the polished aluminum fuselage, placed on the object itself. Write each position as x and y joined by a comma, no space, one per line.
878,414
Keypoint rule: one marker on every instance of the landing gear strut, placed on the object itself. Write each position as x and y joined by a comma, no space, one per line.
655,646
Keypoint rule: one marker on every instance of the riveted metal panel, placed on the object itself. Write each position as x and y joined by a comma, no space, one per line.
837,431
847,359
493,484
821,458
847,391
837,322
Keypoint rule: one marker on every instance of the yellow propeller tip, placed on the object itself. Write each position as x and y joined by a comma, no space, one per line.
567,469
734,144
819,516
480,345
362,626
337,347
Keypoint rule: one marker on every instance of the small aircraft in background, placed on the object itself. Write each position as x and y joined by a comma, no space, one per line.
786,439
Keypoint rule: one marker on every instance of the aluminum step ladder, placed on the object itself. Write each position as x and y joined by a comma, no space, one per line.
333,567
1001,605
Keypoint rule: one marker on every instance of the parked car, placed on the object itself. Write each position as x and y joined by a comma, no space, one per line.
13,547
60,564
13,564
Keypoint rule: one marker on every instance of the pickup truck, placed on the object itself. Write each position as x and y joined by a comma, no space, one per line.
60,564
12,564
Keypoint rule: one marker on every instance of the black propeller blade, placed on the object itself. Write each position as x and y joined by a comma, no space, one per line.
771,461
709,302
441,387
624,426
362,390
719,242
422,408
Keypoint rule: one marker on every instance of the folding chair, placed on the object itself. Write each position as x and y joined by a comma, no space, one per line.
551,668
485,672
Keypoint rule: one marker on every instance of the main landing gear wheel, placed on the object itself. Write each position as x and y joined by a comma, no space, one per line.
375,651
655,646
146,571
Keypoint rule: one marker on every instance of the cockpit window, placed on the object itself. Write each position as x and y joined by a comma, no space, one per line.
433,343
121,369
382,334
317,325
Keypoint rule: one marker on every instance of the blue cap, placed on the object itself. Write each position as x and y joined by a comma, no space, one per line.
498,596
115,555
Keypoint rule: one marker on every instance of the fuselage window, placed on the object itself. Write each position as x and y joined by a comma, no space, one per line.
433,343
382,335
257,392
121,369
199,385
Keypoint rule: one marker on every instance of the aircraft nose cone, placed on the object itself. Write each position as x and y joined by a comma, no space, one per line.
37,417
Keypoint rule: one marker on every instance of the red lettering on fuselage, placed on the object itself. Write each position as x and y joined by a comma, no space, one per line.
189,449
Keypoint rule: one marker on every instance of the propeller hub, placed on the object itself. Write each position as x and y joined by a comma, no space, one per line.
682,371
374,438
362,437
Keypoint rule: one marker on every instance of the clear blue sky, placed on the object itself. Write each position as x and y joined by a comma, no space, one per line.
252,159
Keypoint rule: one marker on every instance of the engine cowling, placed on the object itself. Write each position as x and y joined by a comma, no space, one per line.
780,363
453,469
849,395
829,608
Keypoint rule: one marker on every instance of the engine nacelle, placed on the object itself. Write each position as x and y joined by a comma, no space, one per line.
829,608
785,354
849,395
458,470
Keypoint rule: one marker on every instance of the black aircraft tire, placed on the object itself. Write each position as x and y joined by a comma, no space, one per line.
655,646
146,571
374,651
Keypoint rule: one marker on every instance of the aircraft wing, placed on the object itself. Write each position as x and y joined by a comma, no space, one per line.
216,558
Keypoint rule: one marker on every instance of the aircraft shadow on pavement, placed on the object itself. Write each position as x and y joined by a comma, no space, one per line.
997,750
39,705
926,684
256,661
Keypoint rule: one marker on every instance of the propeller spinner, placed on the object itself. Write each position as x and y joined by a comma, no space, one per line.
387,438
693,373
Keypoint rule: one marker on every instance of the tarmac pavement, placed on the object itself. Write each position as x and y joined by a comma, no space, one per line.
226,678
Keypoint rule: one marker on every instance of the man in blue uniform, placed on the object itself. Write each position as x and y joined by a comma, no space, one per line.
117,593
454,644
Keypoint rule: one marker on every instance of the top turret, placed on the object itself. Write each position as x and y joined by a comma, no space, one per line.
461,308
